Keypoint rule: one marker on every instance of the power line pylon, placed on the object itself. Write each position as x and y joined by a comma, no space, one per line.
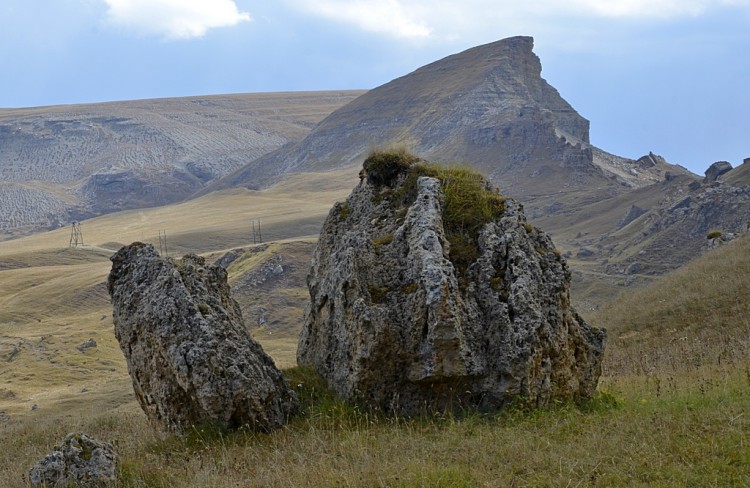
163,243
257,234
76,236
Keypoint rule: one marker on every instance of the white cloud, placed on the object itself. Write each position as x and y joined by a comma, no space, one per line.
446,18
663,9
174,19
390,17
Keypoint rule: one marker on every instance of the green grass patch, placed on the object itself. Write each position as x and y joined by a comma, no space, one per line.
470,200
632,434
381,241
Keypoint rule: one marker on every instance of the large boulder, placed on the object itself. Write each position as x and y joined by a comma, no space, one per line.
80,460
188,352
428,293
717,169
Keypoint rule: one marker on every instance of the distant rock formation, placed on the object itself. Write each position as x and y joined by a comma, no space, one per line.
80,460
418,304
488,105
717,169
189,354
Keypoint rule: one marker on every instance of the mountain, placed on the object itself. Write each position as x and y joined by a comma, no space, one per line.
738,176
69,162
487,107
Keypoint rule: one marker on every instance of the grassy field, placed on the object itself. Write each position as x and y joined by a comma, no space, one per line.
53,298
673,410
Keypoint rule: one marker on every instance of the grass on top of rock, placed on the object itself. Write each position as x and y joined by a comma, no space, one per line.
470,200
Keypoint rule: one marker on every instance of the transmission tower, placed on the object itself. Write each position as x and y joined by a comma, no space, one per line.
76,236
257,234
163,243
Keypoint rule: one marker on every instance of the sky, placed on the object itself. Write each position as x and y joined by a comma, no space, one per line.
667,76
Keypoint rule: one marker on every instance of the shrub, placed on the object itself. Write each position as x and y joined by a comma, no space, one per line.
382,167
470,203
344,210
410,288
378,294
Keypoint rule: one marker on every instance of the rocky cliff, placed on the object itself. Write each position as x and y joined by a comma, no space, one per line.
487,106
429,291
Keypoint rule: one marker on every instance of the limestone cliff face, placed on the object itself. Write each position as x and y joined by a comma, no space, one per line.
188,352
396,324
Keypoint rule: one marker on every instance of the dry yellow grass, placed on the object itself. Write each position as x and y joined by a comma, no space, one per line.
53,298
697,316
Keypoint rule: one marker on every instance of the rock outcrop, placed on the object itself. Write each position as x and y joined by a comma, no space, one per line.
717,169
418,306
189,354
80,460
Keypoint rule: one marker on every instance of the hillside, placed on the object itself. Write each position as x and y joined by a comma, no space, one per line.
487,107
65,163
697,315
619,220
53,298
673,411
739,175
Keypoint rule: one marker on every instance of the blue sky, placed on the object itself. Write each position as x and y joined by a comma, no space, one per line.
668,76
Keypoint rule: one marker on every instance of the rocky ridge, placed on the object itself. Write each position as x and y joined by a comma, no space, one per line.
409,314
488,107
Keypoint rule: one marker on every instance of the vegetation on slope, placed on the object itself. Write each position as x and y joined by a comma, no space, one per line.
675,438
699,315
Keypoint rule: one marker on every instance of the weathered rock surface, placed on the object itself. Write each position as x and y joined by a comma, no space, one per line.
393,323
488,105
80,460
717,169
633,213
189,354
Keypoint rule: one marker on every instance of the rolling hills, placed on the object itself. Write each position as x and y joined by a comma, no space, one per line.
59,164
619,220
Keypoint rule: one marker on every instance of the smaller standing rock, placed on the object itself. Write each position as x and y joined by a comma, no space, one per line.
188,351
81,460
